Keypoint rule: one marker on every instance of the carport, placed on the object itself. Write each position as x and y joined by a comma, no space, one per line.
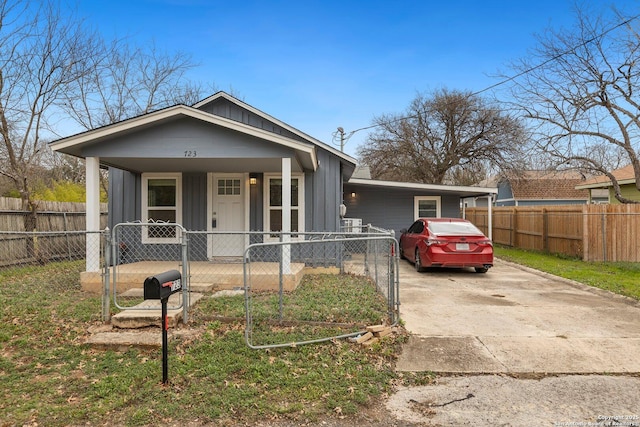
396,205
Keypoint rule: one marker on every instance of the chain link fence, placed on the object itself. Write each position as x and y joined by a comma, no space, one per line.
301,287
139,250
321,287
66,249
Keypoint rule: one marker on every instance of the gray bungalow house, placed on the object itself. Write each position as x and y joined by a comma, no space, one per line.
219,165
222,165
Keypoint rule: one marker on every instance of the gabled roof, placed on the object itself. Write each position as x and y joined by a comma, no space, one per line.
270,118
73,144
546,185
624,176
304,145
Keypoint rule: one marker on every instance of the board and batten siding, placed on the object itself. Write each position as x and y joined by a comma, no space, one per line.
224,108
124,197
323,194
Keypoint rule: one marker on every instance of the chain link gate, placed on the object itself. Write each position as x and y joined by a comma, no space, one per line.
137,250
305,291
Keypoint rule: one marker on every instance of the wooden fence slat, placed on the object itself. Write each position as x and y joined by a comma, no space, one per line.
591,232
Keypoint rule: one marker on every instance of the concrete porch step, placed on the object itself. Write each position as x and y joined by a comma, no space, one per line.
149,313
122,340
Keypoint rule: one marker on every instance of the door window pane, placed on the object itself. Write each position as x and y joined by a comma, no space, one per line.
228,187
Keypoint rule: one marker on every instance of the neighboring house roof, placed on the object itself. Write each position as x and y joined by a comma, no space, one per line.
546,185
624,176
462,191
362,172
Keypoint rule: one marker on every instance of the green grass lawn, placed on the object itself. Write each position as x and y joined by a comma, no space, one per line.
50,377
621,277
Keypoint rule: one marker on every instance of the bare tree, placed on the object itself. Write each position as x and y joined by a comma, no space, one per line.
40,50
124,81
449,137
580,89
53,67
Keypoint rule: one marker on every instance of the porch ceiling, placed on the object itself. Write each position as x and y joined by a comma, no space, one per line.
140,165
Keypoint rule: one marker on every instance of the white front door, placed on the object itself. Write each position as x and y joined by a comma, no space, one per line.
227,215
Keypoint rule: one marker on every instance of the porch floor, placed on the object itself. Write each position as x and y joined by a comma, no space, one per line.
205,276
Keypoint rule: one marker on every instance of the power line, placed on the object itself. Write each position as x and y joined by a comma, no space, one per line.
344,136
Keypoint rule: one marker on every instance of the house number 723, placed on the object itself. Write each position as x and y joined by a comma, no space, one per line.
190,153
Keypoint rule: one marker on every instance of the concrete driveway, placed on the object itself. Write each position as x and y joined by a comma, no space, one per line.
514,320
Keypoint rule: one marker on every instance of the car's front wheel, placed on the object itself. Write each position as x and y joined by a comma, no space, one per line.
418,263
481,269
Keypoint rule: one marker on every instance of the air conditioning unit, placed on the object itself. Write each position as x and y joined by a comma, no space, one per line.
352,225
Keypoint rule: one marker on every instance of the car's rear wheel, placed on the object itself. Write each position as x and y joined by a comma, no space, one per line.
481,269
418,263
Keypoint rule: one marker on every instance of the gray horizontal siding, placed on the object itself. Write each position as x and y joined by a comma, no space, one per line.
170,140
391,209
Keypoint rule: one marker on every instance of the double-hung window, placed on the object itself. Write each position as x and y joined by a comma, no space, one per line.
161,203
427,206
273,199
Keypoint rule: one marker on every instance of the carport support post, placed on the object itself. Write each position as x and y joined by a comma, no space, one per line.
490,218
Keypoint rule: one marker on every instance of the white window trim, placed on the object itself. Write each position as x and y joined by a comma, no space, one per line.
145,208
266,206
417,199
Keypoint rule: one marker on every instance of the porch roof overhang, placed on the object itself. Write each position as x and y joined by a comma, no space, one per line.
460,191
305,156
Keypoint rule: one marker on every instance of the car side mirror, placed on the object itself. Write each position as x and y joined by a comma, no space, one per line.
403,230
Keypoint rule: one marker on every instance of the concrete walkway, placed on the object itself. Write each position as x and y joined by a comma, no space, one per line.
514,320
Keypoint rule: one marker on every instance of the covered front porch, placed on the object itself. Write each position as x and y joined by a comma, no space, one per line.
203,276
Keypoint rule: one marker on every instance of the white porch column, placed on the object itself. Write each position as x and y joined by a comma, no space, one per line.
490,213
286,214
92,169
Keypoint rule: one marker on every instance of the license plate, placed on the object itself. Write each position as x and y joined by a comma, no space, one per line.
462,246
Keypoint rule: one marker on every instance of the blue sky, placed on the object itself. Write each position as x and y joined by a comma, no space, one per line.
317,65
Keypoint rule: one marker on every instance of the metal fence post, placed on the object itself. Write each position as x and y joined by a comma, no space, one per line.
106,295
280,278
185,277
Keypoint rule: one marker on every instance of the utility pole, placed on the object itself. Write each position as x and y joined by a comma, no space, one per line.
341,132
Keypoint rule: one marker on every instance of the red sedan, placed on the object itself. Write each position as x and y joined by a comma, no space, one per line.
446,242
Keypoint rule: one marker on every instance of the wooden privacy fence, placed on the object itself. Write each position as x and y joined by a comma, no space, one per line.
590,232
51,216
57,233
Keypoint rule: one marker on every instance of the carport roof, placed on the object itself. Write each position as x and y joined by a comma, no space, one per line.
461,191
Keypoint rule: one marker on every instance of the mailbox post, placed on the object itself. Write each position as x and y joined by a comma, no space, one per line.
162,286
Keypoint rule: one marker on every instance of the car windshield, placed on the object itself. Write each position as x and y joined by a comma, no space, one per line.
454,229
